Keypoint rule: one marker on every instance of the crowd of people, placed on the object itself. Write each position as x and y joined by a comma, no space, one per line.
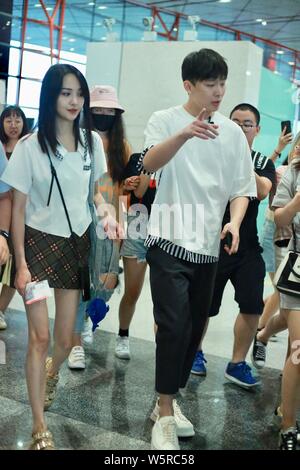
65,190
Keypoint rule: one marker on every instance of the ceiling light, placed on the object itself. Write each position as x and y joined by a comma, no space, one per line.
103,38
72,40
259,20
291,63
37,5
49,8
102,7
264,22
99,23
224,1
175,29
91,4
72,49
279,52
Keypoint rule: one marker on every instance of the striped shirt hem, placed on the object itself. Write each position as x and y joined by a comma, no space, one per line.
178,251
140,163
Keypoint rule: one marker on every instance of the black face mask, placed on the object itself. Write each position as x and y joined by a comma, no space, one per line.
103,122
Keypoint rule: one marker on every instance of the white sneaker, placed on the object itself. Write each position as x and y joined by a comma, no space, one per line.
76,359
3,324
122,350
87,333
164,436
184,427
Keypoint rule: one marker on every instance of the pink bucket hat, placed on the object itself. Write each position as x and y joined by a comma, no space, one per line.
104,96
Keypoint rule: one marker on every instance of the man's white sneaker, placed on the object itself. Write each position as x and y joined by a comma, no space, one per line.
3,324
87,333
122,350
164,436
184,427
76,359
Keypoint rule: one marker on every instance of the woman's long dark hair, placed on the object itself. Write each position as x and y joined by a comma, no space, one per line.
50,91
12,111
117,155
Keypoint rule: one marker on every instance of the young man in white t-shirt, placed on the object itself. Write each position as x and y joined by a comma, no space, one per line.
204,160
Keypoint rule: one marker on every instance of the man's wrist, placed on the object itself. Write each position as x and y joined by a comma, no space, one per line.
277,153
4,234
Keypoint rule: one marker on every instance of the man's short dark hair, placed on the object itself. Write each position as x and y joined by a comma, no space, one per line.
247,107
202,65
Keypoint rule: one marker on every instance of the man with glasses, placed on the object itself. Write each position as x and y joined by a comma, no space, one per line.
246,268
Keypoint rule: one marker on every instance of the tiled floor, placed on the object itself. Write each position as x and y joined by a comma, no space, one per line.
107,406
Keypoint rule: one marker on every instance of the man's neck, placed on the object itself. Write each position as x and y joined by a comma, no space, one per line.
195,110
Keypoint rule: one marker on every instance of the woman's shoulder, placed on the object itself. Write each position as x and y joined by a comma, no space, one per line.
29,142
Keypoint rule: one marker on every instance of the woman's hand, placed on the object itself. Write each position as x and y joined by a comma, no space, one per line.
112,228
23,277
131,183
284,140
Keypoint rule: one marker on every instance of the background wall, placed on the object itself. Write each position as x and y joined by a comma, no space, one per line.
148,76
276,104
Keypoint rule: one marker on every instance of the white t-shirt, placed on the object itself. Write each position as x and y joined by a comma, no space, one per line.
198,181
28,171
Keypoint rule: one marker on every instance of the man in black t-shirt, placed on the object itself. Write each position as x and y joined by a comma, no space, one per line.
245,269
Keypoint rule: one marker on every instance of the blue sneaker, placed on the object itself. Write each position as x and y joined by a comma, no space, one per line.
241,374
199,364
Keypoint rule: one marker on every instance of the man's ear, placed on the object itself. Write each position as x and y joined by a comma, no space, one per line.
257,130
187,86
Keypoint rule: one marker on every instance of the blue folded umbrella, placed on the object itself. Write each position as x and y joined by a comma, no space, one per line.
97,310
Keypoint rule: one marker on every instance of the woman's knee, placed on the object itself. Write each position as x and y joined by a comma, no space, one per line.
39,340
131,296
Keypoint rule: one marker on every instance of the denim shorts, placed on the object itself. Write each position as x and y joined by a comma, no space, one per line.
133,245
134,249
267,243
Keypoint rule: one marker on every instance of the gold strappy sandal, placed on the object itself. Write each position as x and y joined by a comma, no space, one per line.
42,441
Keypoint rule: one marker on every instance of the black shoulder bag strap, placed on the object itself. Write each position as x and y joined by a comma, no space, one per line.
83,269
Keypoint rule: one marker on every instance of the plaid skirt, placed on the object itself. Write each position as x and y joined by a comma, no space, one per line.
55,258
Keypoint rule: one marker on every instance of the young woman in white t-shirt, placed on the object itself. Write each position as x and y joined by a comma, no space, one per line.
13,126
44,248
